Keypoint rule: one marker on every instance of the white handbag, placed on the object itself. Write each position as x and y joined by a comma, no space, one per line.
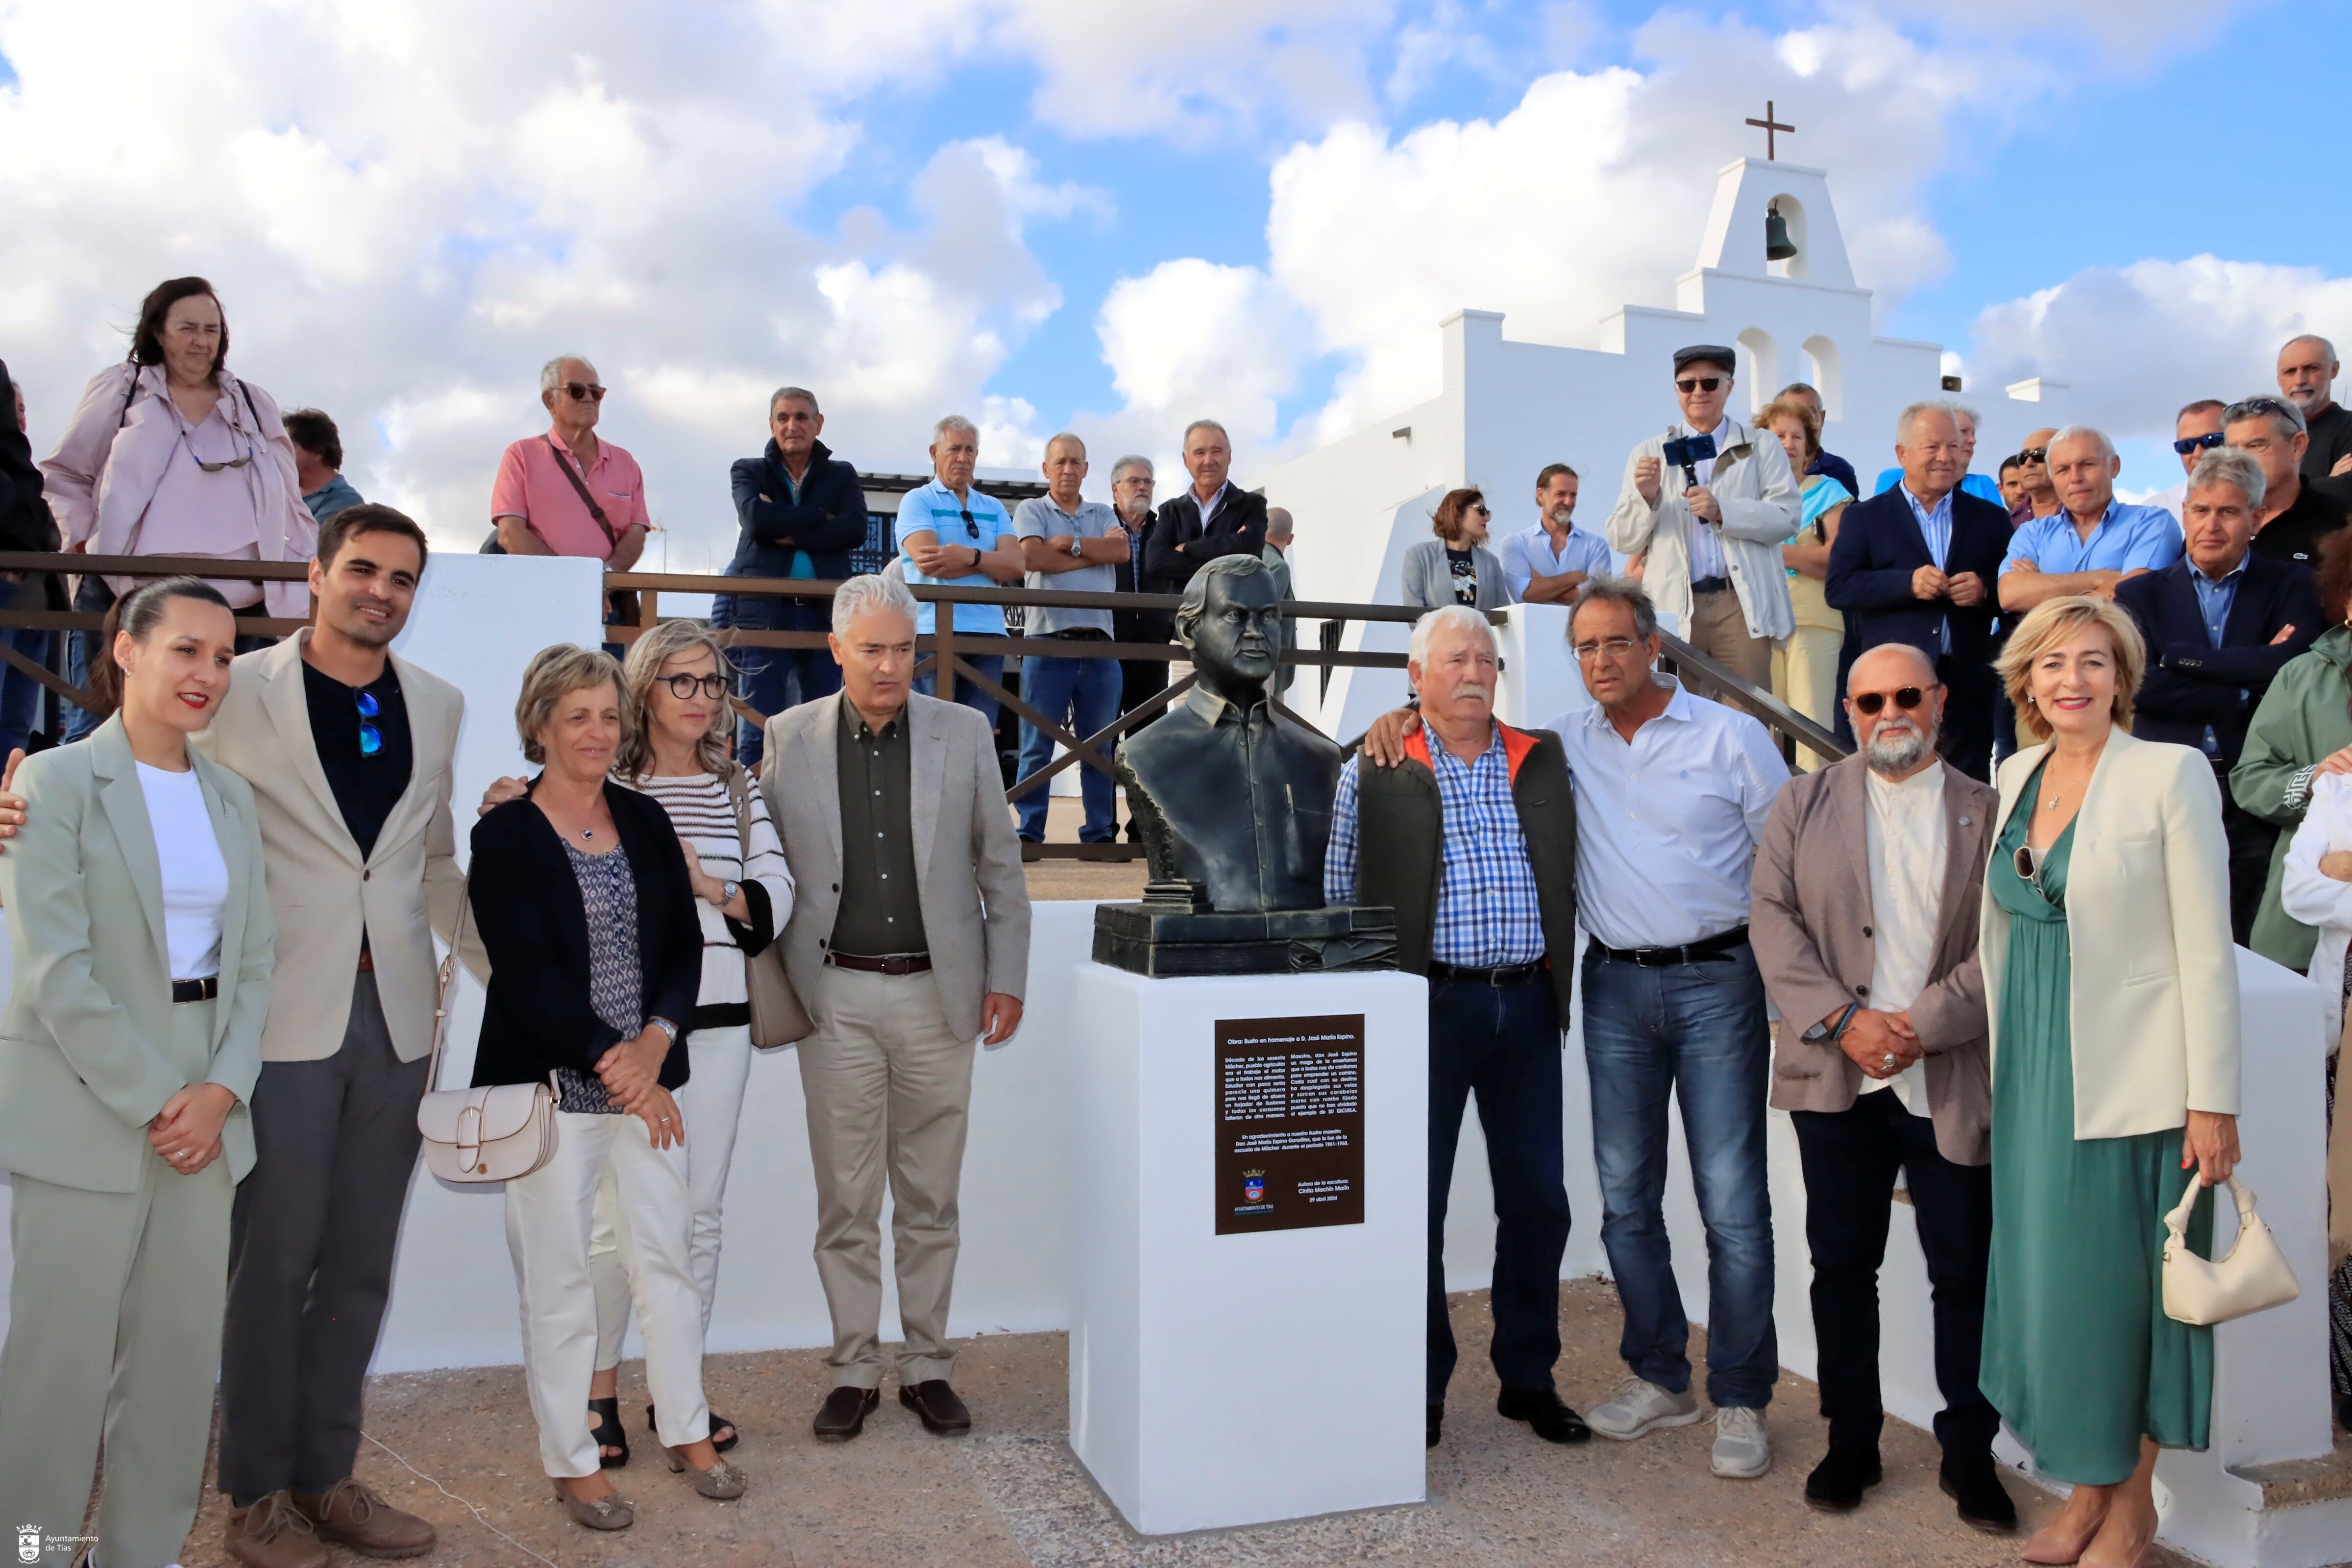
495,1133
2251,1276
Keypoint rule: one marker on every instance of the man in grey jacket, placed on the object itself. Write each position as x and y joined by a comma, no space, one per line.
903,951
1863,921
1712,528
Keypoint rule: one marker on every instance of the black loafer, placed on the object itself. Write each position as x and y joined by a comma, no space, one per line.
1837,1482
843,1415
1435,1426
937,1404
1973,1482
1540,1408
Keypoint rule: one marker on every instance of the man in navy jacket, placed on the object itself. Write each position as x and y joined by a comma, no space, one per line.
1212,518
803,513
1917,564
2220,623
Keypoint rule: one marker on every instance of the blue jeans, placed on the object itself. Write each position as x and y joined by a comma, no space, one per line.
93,598
20,694
1082,696
774,678
970,696
1696,1031
1501,1043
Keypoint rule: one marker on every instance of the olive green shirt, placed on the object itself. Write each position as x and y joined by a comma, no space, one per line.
881,912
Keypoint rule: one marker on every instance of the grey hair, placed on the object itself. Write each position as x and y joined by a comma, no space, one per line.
1425,630
1967,411
1070,435
550,374
564,667
2288,417
1279,523
953,422
1195,601
1132,460
1914,411
1205,425
2074,432
2230,466
2324,346
799,394
870,591
660,644
1617,591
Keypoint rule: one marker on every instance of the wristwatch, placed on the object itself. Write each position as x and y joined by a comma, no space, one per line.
665,1027
727,892
1077,546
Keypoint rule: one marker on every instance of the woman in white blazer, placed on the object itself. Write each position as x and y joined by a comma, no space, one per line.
2107,959
140,919
2315,887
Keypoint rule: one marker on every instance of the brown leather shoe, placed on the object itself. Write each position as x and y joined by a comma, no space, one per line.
937,1404
350,1514
273,1533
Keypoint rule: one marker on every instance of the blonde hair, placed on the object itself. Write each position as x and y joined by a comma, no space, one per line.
1802,413
656,647
2055,621
553,671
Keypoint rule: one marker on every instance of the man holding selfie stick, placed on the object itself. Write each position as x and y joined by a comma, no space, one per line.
1711,501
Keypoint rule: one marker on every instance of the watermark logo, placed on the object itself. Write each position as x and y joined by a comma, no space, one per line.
28,1543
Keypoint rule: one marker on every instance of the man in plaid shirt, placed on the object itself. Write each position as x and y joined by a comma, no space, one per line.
1473,842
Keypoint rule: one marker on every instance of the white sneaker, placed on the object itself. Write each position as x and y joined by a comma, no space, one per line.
1638,1407
1742,1449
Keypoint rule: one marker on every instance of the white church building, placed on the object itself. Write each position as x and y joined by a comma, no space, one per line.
1506,408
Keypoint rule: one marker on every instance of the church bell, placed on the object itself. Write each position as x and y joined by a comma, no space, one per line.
1778,245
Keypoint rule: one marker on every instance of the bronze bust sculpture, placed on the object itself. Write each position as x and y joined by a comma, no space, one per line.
1233,798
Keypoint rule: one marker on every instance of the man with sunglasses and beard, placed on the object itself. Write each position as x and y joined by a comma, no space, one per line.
1863,919
1712,526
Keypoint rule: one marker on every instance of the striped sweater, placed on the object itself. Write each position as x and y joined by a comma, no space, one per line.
703,812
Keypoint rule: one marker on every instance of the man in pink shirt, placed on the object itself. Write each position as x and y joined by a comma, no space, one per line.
551,488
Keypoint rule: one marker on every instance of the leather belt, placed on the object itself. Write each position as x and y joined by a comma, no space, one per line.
1691,953
894,963
1712,585
203,990
1502,974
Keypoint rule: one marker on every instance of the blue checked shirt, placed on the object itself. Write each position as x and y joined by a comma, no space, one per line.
1936,527
1487,915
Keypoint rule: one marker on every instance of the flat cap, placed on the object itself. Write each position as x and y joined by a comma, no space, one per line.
1713,353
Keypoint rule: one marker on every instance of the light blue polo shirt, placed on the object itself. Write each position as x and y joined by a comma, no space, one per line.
2128,538
1529,551
934,509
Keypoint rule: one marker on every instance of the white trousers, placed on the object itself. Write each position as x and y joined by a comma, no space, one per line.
549,1214
712,1104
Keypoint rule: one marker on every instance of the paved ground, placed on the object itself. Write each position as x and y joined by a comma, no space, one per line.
1011,1495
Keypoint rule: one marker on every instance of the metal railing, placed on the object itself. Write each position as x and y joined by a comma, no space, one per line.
945,652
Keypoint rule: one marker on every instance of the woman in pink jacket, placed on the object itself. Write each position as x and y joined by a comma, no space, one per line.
171,455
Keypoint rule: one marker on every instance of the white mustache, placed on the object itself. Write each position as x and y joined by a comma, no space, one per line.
1472,689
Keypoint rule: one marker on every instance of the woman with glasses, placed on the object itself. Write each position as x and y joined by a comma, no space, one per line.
1456,567
168,454
2113,992
1805,670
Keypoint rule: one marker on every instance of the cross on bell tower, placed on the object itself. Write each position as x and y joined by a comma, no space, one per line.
1769,126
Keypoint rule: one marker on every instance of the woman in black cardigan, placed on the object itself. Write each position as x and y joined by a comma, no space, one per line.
581,894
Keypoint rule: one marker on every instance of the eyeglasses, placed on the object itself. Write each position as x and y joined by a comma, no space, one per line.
683,686
584,392
2206,442
971,525
1615,648
1699,382
1868,703
188,441
2034,454
371,738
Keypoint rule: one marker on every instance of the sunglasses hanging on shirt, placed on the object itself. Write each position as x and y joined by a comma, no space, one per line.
371,738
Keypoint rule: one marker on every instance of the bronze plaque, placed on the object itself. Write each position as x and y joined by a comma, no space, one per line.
1290,1122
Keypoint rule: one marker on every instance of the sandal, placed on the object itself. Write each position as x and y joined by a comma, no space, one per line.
611,1511
608,1432
734,1435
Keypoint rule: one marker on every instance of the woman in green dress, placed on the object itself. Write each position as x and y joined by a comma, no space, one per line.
2113,983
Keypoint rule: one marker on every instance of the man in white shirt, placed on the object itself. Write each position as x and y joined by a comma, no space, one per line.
1712,527
1866,895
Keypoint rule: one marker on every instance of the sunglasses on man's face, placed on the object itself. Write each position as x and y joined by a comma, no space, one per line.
1690,383
2034,454
584,391
1869,703
2206,443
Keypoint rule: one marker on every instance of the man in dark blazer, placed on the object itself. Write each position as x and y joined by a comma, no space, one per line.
1212,518
1916,563
2220,624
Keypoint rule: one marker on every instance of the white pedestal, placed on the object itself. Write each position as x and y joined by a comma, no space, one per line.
1228,1380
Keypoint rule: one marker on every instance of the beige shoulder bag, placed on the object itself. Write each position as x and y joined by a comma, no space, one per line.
2251,1276
495,1133
777,1016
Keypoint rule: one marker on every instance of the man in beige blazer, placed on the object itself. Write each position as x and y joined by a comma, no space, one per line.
908,938
348,748
1863,920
